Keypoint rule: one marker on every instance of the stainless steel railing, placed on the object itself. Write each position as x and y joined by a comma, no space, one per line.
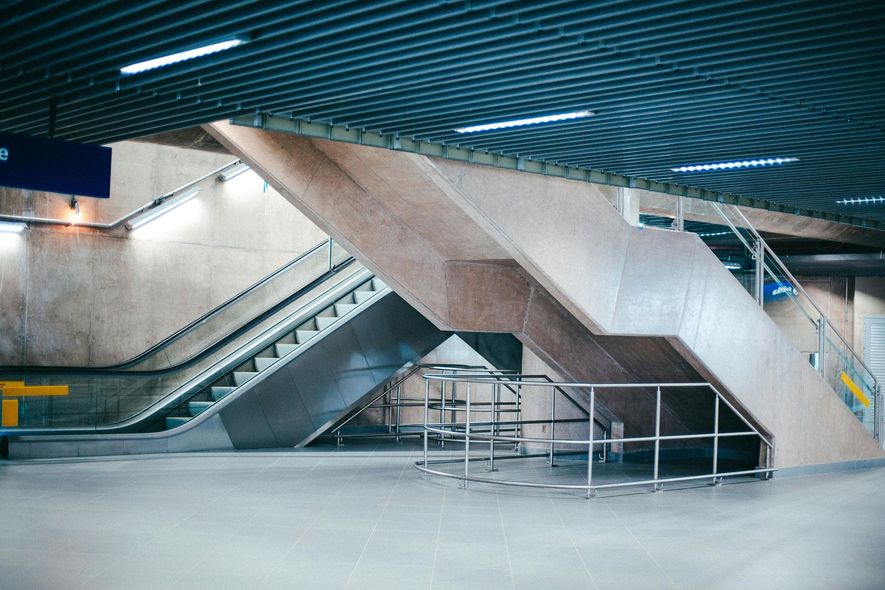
464,430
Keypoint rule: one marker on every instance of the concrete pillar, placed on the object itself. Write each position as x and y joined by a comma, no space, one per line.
628,204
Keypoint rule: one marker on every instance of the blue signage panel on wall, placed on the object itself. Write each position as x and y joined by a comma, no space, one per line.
55,166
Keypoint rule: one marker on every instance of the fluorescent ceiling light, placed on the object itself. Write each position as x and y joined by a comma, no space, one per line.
737,164
233,172
166,207
733,266
11,227
521,122
174,58
714,234
877,200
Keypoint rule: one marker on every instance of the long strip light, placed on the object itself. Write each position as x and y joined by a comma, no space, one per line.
233,172
714,234
166,60
734,165
733,266
877,200
11,227
166,207
523,122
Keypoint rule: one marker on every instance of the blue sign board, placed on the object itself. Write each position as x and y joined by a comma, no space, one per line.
777,290
55,166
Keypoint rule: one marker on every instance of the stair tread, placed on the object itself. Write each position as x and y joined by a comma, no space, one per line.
262,363
241,377
285,348
219,392
304,335
176,421
195,408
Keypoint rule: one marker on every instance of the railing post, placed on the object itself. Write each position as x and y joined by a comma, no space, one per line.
590,491
716,439
467,440
657,437
331,265
552,423
759,254
494,427
426,415
821,343
399,393
442,409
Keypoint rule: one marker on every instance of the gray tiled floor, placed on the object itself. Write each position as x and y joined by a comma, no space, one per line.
369,520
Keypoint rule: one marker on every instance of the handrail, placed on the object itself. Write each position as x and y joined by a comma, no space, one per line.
183,392
795,283
117,223
228,338
464,430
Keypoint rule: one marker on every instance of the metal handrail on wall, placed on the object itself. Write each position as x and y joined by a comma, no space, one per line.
465,432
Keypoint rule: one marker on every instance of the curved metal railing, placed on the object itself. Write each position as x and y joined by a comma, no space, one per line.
464,430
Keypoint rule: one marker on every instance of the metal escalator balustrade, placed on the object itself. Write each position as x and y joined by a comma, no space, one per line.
111,395
281,348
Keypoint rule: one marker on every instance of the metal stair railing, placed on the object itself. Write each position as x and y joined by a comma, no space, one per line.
465,431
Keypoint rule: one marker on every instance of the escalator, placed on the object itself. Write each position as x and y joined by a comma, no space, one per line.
322,334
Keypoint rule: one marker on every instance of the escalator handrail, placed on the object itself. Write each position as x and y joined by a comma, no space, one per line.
120,368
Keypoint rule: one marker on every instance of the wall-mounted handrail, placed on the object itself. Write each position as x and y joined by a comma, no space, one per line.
490,432
155,202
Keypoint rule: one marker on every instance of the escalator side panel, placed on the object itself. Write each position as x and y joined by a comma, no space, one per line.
318,386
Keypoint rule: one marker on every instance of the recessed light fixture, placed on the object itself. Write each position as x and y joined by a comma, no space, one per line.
733,266
11,227
166,60
523,122
734,165
714,234
876,200
165,207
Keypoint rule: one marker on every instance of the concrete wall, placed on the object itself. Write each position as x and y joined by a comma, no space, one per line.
869,299
74,296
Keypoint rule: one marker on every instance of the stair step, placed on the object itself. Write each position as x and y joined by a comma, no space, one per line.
241,377
344,308
362,296
262,363
378,284
325,322
176,421
284,349
219,392
195,408
303,336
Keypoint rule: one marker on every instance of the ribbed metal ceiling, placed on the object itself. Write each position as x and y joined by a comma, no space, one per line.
670,82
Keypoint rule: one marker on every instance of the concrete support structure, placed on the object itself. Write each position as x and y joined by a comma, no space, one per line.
548,259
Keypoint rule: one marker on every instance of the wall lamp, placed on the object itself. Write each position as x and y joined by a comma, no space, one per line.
233,172
161,209
11,227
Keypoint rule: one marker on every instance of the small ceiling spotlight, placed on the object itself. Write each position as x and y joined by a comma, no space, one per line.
734,165
874,200
523,122
75,209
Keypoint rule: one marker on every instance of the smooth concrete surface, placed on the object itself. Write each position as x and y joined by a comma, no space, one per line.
577,259
368,519
76,296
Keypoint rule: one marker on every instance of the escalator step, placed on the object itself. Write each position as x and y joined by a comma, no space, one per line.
241,377
303,336
343,308
325,322
219,392
378,284
284,349
176,421
362,296
195,408
261,363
